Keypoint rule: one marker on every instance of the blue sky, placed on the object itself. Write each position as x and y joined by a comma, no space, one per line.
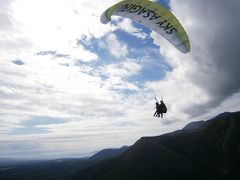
70,86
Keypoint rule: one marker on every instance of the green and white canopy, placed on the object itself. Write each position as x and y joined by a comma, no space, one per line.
155,17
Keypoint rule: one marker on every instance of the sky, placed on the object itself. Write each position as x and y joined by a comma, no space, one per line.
71,86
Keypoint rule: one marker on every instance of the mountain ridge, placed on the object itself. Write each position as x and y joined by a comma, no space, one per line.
209,152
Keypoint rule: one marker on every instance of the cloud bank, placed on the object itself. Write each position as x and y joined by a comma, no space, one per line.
79,81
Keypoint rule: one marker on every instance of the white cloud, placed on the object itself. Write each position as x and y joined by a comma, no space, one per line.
49,25
118,73
126,25
114,46
123,69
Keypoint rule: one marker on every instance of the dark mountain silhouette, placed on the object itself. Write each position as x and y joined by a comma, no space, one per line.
211,151
204,150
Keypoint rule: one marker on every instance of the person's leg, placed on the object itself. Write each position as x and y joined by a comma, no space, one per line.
155,114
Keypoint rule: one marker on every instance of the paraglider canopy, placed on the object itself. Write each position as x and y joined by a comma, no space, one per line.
155,17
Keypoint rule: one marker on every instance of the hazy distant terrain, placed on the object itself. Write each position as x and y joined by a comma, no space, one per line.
52,169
